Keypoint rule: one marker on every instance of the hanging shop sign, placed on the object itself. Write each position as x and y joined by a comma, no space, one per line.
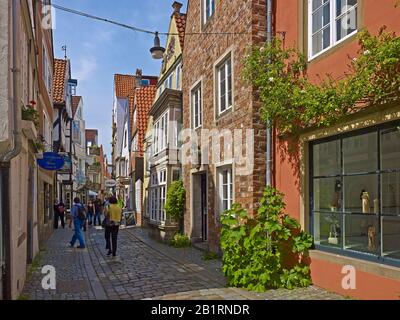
110,183
51,161
67,167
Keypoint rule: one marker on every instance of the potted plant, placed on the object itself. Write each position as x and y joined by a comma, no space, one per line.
29,113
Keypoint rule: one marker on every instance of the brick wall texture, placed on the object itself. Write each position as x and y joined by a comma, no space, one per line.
247,19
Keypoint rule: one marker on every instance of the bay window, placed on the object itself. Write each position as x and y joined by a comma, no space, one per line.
329,23
355,192
160,136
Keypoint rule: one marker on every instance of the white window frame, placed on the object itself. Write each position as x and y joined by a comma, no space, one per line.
197,118
170,81
179,77
161,134
158,192
208,14
332,23
229,185
224,66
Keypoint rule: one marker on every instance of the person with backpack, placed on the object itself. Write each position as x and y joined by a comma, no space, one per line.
79,216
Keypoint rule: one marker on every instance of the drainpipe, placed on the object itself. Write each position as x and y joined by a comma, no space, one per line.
269,125
7,157
17,144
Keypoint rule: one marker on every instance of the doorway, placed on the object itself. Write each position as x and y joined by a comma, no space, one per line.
200,208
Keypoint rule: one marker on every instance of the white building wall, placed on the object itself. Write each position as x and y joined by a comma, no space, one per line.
4,72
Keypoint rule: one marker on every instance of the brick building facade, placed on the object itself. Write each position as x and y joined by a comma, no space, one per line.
230,28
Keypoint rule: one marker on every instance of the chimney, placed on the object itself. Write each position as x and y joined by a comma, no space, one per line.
177,7
139,73
138,77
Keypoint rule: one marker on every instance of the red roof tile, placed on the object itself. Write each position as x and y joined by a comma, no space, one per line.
75,104
180,20
59,80
143,99
124,85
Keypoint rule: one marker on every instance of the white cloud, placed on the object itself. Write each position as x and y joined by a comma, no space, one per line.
86,67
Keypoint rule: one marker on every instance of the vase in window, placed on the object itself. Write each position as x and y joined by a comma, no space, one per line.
365,202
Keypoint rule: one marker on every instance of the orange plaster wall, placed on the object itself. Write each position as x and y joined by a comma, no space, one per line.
368,286
375,14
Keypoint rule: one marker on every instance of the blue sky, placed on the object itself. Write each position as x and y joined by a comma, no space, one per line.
98,50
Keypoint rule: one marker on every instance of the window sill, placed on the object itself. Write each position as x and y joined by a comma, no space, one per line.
383,270
330,50
223,114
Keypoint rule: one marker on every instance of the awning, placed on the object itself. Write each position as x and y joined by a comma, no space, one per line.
93,194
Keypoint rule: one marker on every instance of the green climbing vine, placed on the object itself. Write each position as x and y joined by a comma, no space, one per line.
294,102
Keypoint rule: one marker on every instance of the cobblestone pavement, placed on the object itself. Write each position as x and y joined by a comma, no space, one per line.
143,269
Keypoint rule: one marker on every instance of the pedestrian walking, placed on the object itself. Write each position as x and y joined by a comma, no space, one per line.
59,214
97,211
90,212
79,216
56,214
113,220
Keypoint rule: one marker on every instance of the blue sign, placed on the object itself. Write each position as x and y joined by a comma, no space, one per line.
51,161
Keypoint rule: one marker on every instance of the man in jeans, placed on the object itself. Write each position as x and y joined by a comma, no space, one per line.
76,213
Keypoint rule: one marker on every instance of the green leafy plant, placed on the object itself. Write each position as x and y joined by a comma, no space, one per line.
29,113
293,102
175,201
39,145
266,251
180,241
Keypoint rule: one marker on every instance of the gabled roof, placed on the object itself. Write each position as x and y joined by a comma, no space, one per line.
124,85
143,99
180,20
74,104
59,80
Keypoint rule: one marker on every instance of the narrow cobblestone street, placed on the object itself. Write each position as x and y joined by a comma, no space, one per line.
143,269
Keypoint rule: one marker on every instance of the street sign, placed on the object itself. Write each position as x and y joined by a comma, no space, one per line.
110,183
51,161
